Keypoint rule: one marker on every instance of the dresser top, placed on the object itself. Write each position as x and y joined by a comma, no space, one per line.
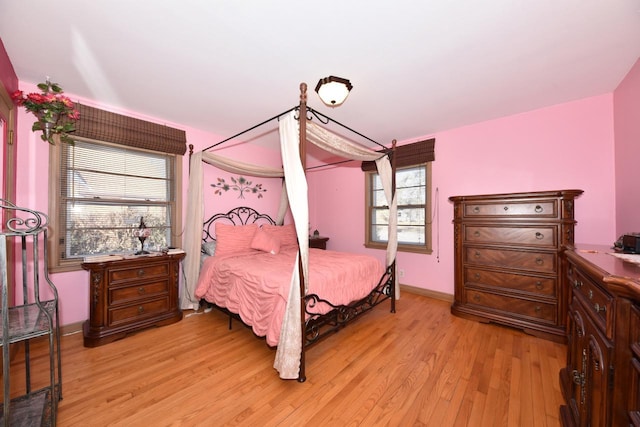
533,194
620,272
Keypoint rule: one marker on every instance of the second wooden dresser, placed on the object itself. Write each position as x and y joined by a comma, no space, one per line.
508,268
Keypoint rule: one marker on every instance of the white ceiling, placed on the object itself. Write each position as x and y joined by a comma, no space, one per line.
417,67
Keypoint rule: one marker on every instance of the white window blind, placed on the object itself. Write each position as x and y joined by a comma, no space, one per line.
105,190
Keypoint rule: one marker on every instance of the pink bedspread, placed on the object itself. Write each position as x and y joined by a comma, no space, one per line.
255,284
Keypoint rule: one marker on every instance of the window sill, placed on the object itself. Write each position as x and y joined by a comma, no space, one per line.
401,248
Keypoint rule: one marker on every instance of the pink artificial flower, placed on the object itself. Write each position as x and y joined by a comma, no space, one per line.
66,101
18,96
36,98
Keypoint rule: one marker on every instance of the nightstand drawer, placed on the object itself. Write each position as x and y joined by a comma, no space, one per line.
139,272
520,235
135,312
136,292
522,260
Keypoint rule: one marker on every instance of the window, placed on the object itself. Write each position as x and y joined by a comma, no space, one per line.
100,189
412,191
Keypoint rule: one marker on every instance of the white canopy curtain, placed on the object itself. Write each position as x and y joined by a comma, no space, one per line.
290,344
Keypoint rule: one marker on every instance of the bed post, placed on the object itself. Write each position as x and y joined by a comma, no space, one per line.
302,120
393,195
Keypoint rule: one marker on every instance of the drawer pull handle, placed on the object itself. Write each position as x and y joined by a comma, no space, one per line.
577,284
476,209
539,236
141,272
539,285
477,254
476,233
598,308
538,309
578,378
140,310
477,276
476,298
538,209
590,293
141,290
539,261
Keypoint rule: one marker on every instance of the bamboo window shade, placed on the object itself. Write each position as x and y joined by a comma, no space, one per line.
101,125
409,154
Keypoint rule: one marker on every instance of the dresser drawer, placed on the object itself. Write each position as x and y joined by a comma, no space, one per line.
515,307
634,333
597,302
511,208
544,262
122,295
542,286
542,236
140,272
136,312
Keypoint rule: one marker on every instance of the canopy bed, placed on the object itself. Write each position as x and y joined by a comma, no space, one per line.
305,315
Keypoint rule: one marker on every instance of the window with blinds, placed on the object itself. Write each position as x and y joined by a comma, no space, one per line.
104,191
413,194
118,169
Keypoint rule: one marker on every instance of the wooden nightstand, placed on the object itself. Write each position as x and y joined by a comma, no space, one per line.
318,242
131,294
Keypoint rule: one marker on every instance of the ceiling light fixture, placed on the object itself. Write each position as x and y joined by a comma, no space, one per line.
333,90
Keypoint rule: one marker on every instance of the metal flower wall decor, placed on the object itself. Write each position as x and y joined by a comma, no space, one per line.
241,185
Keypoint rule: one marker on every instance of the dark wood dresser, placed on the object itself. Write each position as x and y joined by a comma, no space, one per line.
508,268
601,382
127,295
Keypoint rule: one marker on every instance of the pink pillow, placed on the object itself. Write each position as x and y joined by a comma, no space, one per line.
234,238
264,241
286,233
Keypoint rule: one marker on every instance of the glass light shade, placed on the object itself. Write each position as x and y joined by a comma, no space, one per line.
333,91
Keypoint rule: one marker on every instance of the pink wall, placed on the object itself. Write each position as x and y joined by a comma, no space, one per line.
626,105
566,146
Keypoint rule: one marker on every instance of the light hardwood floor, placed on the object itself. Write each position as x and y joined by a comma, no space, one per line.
419,366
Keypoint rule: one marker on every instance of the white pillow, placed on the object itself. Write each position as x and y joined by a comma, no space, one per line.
209,248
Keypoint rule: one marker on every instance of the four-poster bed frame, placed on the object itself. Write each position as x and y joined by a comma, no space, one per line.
313,324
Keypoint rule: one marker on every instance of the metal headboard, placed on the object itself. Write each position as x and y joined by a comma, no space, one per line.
242,215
